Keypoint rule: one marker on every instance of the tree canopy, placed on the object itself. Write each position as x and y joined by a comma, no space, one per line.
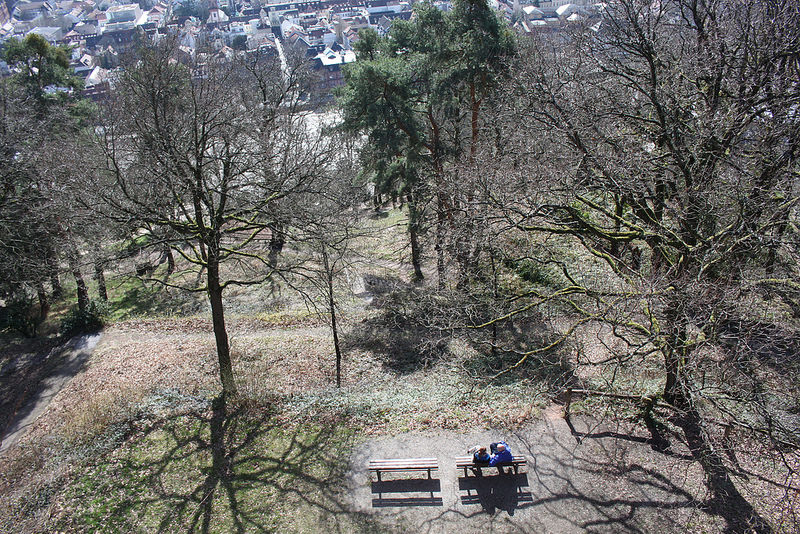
41,66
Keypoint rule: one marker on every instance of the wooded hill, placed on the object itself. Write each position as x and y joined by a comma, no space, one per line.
607,211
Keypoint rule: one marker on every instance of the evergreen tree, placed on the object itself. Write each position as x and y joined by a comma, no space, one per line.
410,93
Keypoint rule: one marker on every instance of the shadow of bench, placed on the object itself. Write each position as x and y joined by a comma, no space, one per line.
415,485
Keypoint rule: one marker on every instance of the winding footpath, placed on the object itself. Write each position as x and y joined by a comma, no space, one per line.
73,355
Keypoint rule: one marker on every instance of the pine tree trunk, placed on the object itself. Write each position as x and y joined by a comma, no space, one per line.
55,283
80,284
81,291
475,105
413,229
440,232
44,303
52,269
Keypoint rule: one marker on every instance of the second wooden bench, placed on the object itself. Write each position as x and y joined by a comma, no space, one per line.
465,463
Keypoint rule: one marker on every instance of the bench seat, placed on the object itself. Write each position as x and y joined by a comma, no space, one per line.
465,463
403,464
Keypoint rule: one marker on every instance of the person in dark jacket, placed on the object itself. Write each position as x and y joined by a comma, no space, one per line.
480,458
501,455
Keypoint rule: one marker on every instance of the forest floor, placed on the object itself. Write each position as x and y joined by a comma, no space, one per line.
128,445
135,438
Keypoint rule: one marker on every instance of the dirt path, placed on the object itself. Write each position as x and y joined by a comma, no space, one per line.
594,480
71,359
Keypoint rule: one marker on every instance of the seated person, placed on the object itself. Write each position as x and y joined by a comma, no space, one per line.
501,455
481,457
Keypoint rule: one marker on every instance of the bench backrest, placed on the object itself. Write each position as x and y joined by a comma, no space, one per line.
464,460
404,463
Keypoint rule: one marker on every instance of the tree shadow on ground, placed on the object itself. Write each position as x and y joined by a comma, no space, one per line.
645,480
404,333
501,492
570,488
33,379
654,442
415,327
561,500
25,363
231,469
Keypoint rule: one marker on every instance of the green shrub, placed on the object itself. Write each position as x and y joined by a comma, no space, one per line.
531,271
91,319
18,314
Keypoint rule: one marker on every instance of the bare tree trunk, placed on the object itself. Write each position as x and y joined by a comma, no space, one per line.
52,270
170,260
44,303
277,240
332,311
772,255
101,279
80,284
218,320
727,500
496,296
55,283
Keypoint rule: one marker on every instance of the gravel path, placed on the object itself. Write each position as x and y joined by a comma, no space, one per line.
607,482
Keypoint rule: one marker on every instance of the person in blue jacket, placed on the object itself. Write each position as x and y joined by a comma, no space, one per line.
501,455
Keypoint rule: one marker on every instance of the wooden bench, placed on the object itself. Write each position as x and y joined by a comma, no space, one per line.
403,464
465,463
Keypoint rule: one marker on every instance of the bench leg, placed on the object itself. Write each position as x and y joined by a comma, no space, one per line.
379,475
429,474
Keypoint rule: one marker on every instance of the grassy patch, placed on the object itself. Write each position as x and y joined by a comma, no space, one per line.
422,401
216,473
289,317
129,297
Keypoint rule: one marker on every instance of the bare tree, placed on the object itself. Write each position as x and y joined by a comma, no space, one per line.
199,155
648,167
